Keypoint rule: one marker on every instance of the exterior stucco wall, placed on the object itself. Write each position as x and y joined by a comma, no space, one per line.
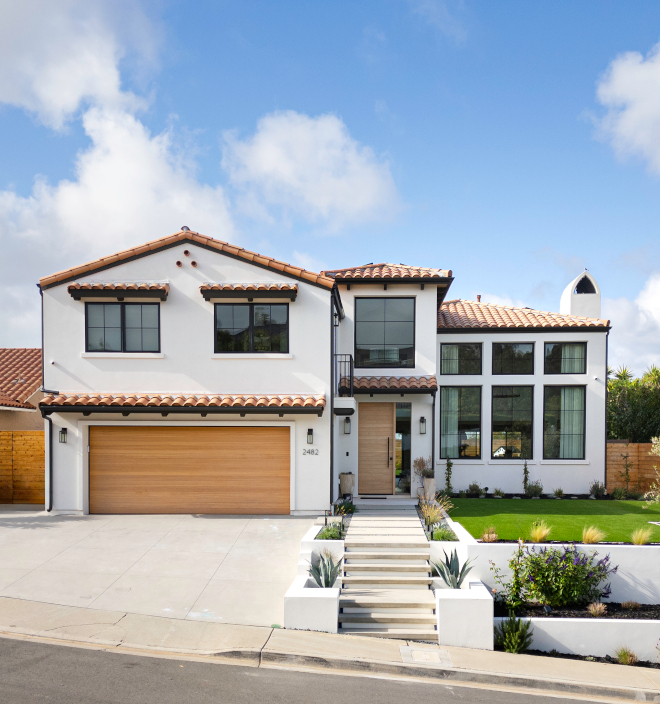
573,476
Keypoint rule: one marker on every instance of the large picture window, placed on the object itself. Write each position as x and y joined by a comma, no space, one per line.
251,327
385,332
513,415
460,422
513,358
462,358
565,358
122,327
563,422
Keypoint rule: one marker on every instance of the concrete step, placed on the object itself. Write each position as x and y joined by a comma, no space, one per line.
378,599
386,542
401,634
399,555
376,617
381,567
386,579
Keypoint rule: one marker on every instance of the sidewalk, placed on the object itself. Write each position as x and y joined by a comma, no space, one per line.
258,646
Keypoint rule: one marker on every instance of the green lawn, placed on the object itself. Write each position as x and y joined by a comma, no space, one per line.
513,518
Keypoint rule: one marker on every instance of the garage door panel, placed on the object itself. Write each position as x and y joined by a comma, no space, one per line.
189,470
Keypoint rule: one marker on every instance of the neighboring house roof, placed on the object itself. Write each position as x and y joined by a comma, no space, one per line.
387,271
20,376
182,237
395,384
463,315
176,401
155,290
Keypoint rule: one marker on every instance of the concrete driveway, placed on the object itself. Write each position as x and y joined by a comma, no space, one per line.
228,569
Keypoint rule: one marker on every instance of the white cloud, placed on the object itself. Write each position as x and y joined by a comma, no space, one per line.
311,167
630,90
500,300
635,335
438,15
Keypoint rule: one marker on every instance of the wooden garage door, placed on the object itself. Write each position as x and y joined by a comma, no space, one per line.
188,470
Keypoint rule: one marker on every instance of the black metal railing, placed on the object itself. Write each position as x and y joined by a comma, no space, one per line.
344,375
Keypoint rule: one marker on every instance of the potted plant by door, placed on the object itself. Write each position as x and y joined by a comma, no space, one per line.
346,483
423,468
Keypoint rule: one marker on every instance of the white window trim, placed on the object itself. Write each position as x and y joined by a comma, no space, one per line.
122,355
252,355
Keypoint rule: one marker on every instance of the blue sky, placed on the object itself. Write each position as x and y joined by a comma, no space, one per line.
513,142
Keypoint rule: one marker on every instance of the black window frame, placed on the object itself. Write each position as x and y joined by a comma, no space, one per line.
492,354
584,421
481,420
251,327
492,417
563,342
122,318
464,344
414,342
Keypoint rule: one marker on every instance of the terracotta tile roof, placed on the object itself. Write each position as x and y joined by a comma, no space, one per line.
20,375
186,401
136,286
180,238
394,383
289,290
473,314
387,271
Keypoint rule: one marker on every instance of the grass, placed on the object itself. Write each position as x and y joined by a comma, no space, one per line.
513,518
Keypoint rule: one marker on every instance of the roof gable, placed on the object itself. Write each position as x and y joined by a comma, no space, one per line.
182,237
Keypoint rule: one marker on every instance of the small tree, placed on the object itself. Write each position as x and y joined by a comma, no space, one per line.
450,465
525,477
627,466
653,494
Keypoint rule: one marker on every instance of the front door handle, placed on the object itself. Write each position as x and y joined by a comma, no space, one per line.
388,452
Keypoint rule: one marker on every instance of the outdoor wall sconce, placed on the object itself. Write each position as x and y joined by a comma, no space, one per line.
422,426
62,434
310,436
347,425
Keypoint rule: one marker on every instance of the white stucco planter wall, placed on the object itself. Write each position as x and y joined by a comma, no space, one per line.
597,636
465,616
308,607
309,547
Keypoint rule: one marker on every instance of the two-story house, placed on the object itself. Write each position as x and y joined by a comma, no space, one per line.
192,376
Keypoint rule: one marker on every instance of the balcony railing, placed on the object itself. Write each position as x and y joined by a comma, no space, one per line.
344,375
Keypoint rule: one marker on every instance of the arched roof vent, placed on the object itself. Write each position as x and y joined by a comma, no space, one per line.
581,297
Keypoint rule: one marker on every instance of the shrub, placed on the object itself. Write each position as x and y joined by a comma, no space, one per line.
474,488
423,467
326,571
597,610
498,492
444,502
331,532
559,493
462,494
619,493
451,572
525,477
631,605
592,535
625,656
489,535
444,533
641,536
539,531
431,512
513,635
534,489
553,576
345,507
597,490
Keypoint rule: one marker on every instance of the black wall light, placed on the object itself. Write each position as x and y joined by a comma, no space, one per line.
422,426
310,436
347,425
62,434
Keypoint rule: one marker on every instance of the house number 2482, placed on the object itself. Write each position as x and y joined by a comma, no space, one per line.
310,452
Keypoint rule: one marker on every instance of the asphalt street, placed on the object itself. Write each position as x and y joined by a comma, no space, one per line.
37,672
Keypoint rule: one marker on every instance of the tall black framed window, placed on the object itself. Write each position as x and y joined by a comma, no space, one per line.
461,358
513,422
513,357
385,332
251,327
460,422
122,327
565,358
564,415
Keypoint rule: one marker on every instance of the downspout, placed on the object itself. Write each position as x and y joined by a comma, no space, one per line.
332,394
607,336
49,420
433,435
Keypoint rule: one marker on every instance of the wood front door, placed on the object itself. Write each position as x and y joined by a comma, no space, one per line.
376,433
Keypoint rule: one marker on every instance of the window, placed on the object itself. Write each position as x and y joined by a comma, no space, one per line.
512,422
460,422
460,359
563,422
513,358
565,358
384,332
251,327
402,448
122,327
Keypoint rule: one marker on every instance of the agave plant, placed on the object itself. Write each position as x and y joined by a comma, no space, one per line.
451,572
326,571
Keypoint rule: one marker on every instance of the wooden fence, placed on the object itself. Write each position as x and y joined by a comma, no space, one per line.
641,471
22,467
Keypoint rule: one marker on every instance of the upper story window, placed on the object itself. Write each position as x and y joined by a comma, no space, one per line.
385,332
513,358
463,358
565,358
122,327
251,327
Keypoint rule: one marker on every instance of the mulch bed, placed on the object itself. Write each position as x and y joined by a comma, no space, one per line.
614,610
591,658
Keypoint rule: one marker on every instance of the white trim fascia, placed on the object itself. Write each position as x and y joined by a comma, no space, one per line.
122,355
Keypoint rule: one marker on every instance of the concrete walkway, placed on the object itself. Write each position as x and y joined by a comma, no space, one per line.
267,647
